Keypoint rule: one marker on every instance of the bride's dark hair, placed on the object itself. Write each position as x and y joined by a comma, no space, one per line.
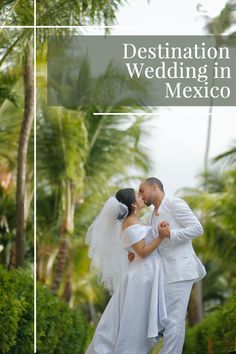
127,197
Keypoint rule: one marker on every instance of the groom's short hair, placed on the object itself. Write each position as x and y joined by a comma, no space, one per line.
153,180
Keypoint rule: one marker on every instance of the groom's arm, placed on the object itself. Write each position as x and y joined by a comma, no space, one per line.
190,225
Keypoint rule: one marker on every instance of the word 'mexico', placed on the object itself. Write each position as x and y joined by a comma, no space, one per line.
180,91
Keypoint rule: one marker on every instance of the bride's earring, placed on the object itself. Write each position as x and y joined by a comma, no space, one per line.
135,208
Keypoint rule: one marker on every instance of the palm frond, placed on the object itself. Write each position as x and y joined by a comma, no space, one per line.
78,13
17,13
228,157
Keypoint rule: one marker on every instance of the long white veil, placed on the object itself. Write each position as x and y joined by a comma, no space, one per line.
108,258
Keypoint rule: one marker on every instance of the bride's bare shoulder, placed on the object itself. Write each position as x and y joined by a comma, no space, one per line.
128,222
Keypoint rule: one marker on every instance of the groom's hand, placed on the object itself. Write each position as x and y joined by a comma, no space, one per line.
164,230
131,256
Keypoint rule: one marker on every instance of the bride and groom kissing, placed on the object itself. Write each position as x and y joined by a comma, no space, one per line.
148,268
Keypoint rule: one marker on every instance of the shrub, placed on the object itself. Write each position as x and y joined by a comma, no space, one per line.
60,329
217,328
16,311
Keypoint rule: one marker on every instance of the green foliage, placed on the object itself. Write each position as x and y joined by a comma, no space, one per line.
91,331
13,49
81,161
215,200
16,311
77,13
227,157
60,329
217,330
222,22
17,13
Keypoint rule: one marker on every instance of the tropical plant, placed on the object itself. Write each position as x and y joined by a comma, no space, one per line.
17,315
77,13
215,199
216,333
228,158
17,13
219,28
80,161
17,59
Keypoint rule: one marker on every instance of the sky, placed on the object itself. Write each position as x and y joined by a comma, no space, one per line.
178,138
163,17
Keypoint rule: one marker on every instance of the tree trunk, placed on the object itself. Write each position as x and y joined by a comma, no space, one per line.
22,157
67,293
92,312
209,346
60,262
41,262
207,150
209,128
195,308
66,229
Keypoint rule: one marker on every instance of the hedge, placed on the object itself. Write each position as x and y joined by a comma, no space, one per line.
60,330
216,334
16,311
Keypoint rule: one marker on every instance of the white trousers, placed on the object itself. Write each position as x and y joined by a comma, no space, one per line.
177,298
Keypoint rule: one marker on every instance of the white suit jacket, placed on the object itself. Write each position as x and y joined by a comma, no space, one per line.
180,262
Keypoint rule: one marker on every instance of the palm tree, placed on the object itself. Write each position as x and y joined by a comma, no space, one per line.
77,13
228,157
215,199
18,45
7,213
218,27
77,153
22,157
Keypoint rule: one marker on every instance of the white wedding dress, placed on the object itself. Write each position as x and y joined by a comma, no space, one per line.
135,313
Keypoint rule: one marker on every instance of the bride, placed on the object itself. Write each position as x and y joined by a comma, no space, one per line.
135,313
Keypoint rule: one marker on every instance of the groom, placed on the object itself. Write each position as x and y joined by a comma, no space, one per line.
178,226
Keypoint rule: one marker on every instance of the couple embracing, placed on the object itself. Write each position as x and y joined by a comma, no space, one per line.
149,268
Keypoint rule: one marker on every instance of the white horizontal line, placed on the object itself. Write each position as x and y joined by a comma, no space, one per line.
132,114
15,27
125,114
82,27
